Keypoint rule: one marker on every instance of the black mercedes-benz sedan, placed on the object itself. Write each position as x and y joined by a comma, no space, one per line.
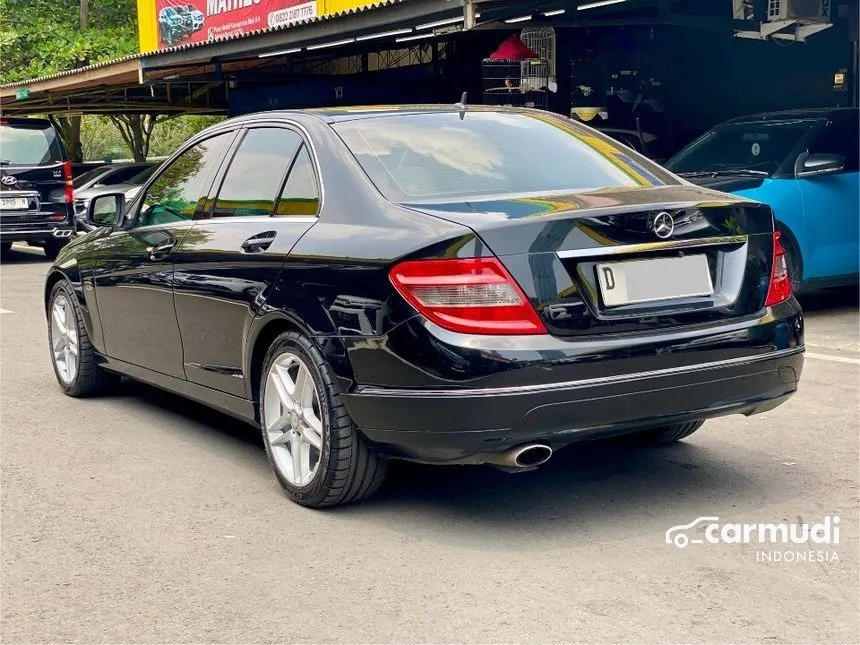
450,285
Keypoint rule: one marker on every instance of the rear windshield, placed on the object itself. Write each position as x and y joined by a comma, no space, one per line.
29,144
87,177
438,155
142,176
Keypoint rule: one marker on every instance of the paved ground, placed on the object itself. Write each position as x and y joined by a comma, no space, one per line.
142,518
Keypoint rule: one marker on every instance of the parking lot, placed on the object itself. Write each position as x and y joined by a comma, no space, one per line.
144,518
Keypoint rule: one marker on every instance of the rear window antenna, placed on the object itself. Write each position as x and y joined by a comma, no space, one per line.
462,106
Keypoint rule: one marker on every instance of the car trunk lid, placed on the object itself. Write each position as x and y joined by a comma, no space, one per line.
711,252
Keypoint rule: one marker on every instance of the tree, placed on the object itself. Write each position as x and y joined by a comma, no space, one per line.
41,37
136,131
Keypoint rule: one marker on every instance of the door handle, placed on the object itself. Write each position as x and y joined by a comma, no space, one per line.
160,251
258,243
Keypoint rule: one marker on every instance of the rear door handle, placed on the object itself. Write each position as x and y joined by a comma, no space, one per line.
258,243
161,251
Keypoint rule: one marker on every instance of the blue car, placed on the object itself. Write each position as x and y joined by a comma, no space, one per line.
804,164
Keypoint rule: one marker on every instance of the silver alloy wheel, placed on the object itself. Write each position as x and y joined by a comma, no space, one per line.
64,338
291,410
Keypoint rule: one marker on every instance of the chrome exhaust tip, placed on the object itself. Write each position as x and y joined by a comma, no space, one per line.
528,456
62,233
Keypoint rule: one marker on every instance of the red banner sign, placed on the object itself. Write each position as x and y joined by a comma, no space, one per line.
195,21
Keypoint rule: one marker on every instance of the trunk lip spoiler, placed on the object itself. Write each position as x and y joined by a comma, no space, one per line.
667,245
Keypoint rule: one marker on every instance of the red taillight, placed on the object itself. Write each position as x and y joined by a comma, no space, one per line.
475,296
70,187
780,282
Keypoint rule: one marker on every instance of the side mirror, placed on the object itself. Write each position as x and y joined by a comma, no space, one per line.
105,210
818,164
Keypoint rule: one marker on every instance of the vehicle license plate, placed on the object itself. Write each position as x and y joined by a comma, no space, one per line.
625,283
13,203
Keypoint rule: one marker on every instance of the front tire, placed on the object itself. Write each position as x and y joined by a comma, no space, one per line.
72,353
314,449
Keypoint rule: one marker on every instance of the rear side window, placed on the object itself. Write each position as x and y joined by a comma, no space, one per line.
29,144
300,196
439,155
255,176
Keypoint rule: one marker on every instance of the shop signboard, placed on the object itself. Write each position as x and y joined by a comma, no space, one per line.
168,23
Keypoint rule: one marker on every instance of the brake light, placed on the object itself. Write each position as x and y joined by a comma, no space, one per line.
70,187
475,296
779,289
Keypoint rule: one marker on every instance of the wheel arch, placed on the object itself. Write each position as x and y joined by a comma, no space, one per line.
790,241
263,332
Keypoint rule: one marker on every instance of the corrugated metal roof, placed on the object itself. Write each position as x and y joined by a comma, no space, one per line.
187,46
70,72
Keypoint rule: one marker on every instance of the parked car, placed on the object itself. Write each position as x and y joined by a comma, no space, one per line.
108,175
192,17
36,192
804,164
128,188
171,25
448,285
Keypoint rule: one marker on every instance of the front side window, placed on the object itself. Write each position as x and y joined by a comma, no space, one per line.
181,189
761,145
439,155
300,196
252,182
840,138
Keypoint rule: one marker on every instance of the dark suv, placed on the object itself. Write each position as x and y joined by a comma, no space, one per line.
36,191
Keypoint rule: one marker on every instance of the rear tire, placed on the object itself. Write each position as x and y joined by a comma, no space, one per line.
72,354
301,414
669,434
53,247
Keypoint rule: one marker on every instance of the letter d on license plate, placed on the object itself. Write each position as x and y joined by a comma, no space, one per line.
626,283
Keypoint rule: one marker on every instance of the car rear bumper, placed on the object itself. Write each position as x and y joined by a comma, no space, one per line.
468,425
37,232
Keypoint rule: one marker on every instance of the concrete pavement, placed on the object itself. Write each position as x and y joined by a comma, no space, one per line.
143,518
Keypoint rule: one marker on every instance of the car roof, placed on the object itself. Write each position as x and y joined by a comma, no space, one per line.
808,113
339,114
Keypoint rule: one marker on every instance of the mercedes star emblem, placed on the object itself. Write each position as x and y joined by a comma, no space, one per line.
663,225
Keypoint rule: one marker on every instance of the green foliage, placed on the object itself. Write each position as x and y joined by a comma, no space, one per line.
41,37
100,139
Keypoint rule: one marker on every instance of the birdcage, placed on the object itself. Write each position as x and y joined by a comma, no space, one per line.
541,40
514,75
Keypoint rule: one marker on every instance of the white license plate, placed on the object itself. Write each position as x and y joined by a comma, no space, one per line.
626,283
13,203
